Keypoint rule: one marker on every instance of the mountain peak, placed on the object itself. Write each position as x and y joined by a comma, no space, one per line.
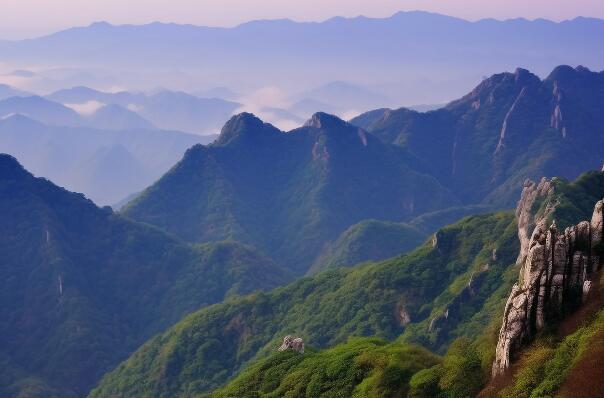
244,124
322,120
10,168
562,72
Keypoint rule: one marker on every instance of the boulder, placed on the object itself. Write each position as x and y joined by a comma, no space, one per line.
292,343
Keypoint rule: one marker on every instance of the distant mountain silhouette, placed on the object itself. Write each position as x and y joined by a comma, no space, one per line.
40,109
107,165
168,110
7,91
115,117
414,57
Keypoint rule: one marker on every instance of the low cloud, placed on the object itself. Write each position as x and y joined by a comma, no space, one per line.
260,101
86,108
347,115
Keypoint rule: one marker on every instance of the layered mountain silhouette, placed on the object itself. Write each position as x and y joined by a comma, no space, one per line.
7,91
115,117
511,127
287,193
165,109
83,287
292,194
402,55
106,165
40,109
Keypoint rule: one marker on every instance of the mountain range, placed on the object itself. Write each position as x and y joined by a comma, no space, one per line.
448,295
83,286
287,193
105,164
401,57
292,194
190,286
165,109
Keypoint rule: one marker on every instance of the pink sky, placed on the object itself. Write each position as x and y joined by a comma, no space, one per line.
27,18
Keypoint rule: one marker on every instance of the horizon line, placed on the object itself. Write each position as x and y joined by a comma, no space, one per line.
292,20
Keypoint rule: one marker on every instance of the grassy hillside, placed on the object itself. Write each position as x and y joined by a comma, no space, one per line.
377,299
447,295
361,367
83,287
369,240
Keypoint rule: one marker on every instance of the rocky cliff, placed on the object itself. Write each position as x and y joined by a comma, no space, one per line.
555,275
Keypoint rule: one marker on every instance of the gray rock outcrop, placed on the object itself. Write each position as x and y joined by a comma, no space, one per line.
525,209
555,277
292,343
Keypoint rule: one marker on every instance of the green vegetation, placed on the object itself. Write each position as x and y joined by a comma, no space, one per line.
208,347
369,240
362,367
573,201
83,287
287,194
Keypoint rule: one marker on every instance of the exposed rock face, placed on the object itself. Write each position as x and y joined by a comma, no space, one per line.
524,212
292,343
555,277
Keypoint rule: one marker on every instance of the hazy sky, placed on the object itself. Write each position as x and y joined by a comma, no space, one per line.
27,18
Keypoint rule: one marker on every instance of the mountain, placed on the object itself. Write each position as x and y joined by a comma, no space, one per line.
381,300
112,166
40,109
373,240
511,127
83,287
184,112
448,295
287,194
165,109
404,54
106,165
369,240
115,117
8,91
83,94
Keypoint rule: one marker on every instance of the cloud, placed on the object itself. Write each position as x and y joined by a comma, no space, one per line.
260,101
135,107
347,115
86,108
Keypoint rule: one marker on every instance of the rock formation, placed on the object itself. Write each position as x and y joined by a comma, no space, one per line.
555,277
292,343
524,212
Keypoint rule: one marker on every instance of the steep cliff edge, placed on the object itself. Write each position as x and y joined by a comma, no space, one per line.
555,277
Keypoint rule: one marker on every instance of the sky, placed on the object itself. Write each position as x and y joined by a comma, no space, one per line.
30,18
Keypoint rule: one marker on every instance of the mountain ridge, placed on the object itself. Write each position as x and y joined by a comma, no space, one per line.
84,286
306,185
